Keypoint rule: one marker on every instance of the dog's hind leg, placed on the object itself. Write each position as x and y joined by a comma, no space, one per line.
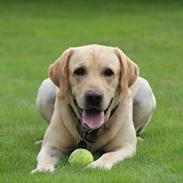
46,99
144,104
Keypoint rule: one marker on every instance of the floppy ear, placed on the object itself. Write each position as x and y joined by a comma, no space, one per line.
129,71
58,71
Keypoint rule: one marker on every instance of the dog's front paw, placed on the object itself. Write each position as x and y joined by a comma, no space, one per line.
101,164
50,169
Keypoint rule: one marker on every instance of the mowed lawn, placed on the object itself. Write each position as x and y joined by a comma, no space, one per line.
34,33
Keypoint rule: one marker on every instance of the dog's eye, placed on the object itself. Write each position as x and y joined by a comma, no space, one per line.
108,72
80,71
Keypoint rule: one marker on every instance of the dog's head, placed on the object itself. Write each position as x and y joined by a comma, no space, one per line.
94,76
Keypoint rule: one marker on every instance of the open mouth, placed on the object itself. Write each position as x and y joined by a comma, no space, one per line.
92,118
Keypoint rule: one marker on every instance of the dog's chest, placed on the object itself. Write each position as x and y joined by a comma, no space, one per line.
87,137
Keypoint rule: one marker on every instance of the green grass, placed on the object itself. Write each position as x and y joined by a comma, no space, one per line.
34,33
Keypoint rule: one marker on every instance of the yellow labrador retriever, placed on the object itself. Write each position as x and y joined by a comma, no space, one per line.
94,99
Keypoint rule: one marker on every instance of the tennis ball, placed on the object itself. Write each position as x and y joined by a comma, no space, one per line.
80,157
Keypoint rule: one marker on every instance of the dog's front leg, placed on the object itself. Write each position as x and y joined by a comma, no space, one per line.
47,158
56,141
107,160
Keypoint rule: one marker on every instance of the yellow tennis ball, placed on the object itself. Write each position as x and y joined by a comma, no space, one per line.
80,157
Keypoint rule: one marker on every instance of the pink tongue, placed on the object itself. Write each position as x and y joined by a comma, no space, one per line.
93,120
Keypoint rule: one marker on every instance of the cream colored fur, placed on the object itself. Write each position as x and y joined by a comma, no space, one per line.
131,93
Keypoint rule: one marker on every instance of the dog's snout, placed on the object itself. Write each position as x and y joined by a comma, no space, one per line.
93,98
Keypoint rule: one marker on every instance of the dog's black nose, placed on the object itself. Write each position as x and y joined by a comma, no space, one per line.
93,99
